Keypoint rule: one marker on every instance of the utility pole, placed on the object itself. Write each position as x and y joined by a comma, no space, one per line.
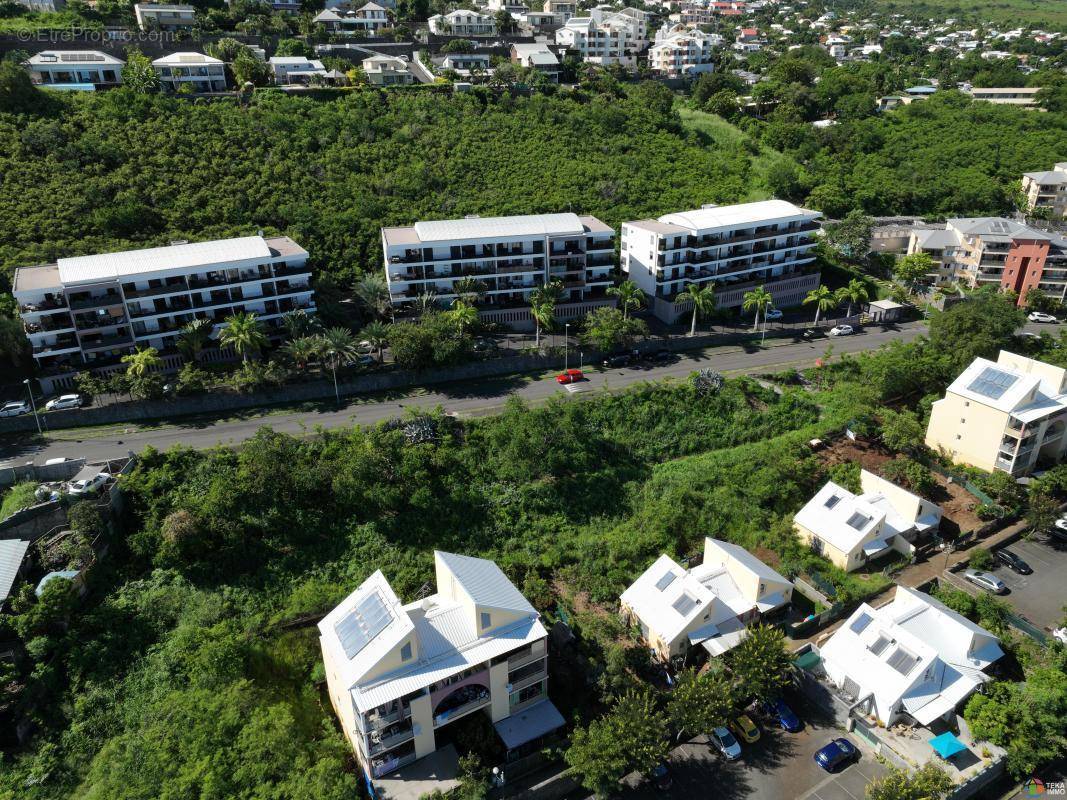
33,405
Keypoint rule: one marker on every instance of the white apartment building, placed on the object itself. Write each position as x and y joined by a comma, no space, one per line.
387,71
511,256
1021,96
737,247
399,674
295,69
369,18
681,53
1005,415
191,72
563,9
709,606
1047,189
463,23
536,56
164,17
605,37
92,309
57,67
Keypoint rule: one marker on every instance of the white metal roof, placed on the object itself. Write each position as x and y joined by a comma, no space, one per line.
484,582
500,227
735,557
1026,395
738,215
843,519
12,551
185,59
69,58
110,266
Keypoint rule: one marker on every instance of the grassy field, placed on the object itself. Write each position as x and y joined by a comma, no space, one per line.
722,132
1014,13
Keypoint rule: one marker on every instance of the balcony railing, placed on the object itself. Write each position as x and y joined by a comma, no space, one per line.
99,301
106,342
98,322
380,745
460,711
155,291
44,305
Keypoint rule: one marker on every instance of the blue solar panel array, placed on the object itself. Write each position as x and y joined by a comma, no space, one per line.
369,618
992,383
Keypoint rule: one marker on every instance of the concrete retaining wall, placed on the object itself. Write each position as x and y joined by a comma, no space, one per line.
34,522
40,473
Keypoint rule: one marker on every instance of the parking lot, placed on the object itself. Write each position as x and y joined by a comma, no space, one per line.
1039,597
779,765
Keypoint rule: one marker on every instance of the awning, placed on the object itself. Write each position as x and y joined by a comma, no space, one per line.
947,745
875,547
702,633
730,635
926,707
771,602
808,660
529,724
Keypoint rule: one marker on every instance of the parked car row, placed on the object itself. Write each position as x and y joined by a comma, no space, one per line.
17,408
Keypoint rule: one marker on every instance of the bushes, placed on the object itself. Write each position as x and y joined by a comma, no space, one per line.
18,497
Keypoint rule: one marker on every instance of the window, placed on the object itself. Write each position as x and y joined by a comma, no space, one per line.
665,581
405,652
832,501
487,620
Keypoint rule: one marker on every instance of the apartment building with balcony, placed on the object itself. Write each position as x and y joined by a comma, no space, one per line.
191,72
605,37
993,251
399,674
66,67
1007,415
738,247
164,17
1019,96
89,310
1047,190
510,256
563,9
384,70
682,52
462,22
370,18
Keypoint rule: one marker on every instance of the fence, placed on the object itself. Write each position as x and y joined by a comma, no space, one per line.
963,481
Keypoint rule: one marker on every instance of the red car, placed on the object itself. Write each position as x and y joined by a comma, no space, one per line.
570,376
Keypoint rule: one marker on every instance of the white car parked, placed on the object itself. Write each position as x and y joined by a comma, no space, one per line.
14,409
987,580
64,401
1041,316
841,330
774,313
88,485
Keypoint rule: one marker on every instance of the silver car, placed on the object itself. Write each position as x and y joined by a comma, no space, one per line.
14,409
986,580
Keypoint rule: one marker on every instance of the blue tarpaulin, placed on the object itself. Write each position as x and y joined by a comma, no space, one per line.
947,745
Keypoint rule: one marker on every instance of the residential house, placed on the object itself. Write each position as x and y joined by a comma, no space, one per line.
295,69
195,72
65,67
462,22
736,248
709,606
911,660
536,56
1005,415
1047,190
398,675
464,63
510,256
1021,96
387,71
164,17
369,19
89,310
849,530
605,37
994,251
13,565
682,53
563,9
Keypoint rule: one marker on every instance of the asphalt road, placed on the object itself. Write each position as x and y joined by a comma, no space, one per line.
466,399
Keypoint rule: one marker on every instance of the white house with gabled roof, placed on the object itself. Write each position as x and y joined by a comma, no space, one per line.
709,605
398,673
851,529
913,658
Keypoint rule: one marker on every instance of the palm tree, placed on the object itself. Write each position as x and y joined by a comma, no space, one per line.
824,300
463,315
372,292
759,299
194,337
425,302
855,292
550,292
141,362
300,324
303,350
469,289
543,316
630,296
377,334
244,333
338,348
703,299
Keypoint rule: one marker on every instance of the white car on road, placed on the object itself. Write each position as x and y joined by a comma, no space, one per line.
88,485
841,330
64,401
14,409
1041,316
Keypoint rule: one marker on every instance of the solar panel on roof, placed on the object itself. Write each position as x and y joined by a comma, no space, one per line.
369,618
685,603
902,661
992,383
665,581
861,622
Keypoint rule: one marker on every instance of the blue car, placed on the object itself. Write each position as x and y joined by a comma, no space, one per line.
778,710
833,755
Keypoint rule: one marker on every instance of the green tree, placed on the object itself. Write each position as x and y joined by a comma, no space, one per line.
303,350
824,300
852,235
372,293
293,47
377,334
702,296
912,269
142,362
469,289
138,75
699,702
299,323
13,343
929,782
463,315
758,300
543,314
1042,509
606,329
855,292
980,326
338,348
631,736
194,336
760,665
902,430
629,296
244,333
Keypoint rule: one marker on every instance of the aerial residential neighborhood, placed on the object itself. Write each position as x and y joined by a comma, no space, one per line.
544,400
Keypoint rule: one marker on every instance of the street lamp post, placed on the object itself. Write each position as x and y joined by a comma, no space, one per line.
566,344
33,405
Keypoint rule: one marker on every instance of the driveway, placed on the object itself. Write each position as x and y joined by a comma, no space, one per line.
1039,597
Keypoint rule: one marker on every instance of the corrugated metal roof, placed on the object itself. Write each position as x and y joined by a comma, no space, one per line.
12,552
110,266
737,215
498,227
484,582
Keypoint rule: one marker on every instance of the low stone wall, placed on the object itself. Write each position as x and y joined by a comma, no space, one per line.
34,522
41,473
